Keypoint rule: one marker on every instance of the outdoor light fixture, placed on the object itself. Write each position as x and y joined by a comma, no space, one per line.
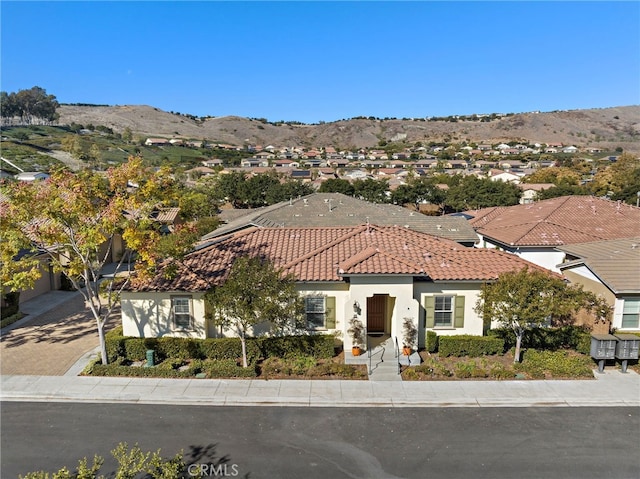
356,307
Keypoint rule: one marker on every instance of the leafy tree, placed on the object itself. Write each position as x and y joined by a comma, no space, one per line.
337,185
473,192
255,292
127,135
418,191
131,463
372,190
73,220
562,190
558,175
29,105
621,175
526,299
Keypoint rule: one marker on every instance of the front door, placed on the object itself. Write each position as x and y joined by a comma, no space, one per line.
376,307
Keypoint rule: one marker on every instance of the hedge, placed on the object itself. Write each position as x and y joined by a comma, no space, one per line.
432,341
468,345
135,349
565,337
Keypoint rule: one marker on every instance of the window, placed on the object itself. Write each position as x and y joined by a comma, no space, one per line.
631,314
320,312
181,311
443,312
315,311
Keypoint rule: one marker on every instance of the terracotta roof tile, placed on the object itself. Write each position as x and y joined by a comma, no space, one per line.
329,254
558,221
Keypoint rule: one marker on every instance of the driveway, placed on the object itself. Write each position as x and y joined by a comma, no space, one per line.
52,340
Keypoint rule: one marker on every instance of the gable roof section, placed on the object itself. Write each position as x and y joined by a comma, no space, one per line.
336,209
332,253
615,262
558,221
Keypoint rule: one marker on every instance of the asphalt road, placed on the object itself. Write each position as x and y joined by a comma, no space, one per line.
287,442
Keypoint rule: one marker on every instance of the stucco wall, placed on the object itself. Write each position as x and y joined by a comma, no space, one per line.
149,315
470,291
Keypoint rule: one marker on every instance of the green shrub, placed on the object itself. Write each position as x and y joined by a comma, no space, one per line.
468,345
115,369
176,348
556,363
410,374
171,364
432,341
431,367
228,348
227,368
565,337
320,346
499,371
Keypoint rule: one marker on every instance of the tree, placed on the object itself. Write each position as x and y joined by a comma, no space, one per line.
337,185
558,175
372,190
562,190
526,299
29,105
255,292
473,192
73,219
619,176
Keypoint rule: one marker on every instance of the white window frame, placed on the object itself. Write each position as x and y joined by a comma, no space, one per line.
175,312
450,311
630,307
316,312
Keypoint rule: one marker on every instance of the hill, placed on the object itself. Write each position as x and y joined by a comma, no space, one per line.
606,128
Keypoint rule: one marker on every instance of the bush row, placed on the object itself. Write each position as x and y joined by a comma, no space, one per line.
556,363
134,349
565,337
221,368
468,345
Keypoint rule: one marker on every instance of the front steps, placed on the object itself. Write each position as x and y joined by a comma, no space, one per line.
384,362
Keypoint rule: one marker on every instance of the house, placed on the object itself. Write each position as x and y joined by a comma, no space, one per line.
530,191
535,231
157,142
610,269
378,274
336,209
507,177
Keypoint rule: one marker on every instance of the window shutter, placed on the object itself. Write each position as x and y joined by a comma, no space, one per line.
430,308
330,311
458,321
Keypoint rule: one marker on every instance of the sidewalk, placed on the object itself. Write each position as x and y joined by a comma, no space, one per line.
611,388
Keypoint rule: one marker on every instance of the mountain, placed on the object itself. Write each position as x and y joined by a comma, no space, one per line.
606,128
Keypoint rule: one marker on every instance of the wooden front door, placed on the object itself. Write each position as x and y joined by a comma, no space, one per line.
376,306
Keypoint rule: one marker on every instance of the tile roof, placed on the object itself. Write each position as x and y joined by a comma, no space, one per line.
330,253
615,262
336,209
557,221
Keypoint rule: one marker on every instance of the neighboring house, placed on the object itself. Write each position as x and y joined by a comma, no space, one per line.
157,142
530,191
336,209
612,270
535,231
380,275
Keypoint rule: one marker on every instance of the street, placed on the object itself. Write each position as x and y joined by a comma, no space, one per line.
289,442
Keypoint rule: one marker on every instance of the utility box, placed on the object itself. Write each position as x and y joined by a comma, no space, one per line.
627,348
603,347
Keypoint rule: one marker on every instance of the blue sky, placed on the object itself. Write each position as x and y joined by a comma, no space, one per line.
324,61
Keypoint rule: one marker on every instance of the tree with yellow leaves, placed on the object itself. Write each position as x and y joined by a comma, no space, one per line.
73,219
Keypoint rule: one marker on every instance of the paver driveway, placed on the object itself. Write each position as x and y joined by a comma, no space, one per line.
50,343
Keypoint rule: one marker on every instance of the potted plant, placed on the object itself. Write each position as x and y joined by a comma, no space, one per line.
409,335
356,331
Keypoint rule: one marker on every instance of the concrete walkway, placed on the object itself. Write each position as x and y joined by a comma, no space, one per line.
611,388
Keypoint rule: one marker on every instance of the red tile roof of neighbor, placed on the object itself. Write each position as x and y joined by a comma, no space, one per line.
558,221
329,253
